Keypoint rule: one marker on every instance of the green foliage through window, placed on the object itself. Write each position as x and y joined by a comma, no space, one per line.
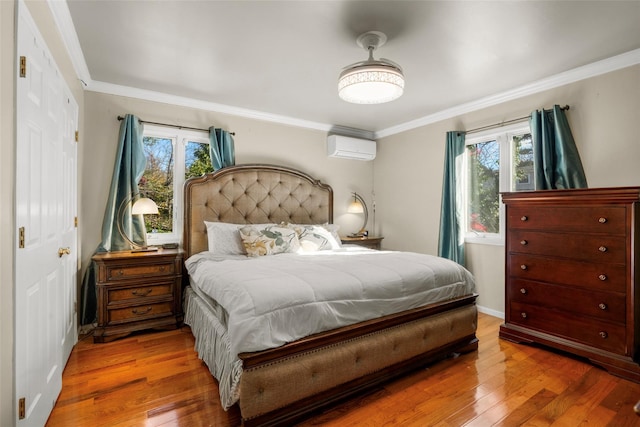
157,183
484,187
197,160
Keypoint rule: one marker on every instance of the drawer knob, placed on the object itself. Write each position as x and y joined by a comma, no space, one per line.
524,315
523,242
602,220
524,218
603,334
162,268
523,291
141,311
602,306
602,277
602,249
141,292
120,273
523,267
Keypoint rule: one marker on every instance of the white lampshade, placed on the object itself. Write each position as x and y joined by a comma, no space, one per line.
355,207
359,206
144,206
371,84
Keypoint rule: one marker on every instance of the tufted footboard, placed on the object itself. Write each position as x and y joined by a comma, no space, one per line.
281,389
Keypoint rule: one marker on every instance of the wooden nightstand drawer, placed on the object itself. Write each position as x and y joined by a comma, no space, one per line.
141,312
141,270
136,291
140,292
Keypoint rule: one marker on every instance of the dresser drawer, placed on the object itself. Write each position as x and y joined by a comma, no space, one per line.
141,312
115,272
598,334
589,275
582,219
584,247
609,306
139,292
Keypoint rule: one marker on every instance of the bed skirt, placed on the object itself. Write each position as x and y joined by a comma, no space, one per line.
278,389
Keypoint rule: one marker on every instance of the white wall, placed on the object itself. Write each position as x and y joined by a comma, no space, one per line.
255,142
604,117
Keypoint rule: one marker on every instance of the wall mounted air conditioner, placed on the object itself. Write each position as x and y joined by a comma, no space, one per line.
346,147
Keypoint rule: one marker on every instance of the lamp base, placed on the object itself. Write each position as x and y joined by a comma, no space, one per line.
362,233
145,249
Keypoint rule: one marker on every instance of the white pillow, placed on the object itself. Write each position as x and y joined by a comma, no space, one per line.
315,237
224,238
270,240
333,229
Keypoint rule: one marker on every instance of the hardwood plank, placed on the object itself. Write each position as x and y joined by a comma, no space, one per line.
157,380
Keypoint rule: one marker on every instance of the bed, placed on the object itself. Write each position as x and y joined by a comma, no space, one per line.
293,373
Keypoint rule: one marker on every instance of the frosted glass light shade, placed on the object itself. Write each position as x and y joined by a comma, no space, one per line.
355,207
144,206
370,84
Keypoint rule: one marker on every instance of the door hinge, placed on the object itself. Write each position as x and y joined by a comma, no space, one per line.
22,408
75,307
77,136
21,237
75,221
23,66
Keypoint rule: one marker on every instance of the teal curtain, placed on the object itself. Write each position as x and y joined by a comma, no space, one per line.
221,148
556,160
130,163
451,239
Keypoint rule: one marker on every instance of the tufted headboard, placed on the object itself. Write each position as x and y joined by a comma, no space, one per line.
252,194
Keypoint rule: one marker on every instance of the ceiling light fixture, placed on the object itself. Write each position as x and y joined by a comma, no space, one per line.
371,81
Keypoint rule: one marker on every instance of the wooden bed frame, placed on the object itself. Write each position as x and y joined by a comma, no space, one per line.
282,385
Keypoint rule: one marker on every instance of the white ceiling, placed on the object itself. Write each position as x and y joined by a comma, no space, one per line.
282,58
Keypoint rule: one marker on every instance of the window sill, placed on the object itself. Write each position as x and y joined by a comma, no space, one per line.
485,240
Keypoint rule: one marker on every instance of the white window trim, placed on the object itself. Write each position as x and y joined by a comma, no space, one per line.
503,136
179,138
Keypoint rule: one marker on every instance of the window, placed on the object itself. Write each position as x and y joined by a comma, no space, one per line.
494,161
173,156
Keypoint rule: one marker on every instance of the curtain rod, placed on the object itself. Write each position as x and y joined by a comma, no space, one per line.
508,122
120,118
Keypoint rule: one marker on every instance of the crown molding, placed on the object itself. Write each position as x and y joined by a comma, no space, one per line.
62,18
604,66
148,95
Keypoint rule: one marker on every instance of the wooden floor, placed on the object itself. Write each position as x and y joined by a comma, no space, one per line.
155,379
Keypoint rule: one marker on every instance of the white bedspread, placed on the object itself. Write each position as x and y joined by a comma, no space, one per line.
273,300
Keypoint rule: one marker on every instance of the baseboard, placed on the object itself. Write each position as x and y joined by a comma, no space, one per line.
491,312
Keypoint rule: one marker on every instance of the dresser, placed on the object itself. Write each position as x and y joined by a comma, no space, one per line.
571,274
136,291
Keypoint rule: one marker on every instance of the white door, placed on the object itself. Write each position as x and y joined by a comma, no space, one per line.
69,228
44,166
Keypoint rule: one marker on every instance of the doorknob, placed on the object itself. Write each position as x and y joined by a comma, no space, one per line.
63,251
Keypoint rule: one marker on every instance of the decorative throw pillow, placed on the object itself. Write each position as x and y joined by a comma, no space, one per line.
224,238
268,240
315,237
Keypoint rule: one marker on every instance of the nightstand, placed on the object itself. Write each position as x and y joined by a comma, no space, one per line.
371,242
136,291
